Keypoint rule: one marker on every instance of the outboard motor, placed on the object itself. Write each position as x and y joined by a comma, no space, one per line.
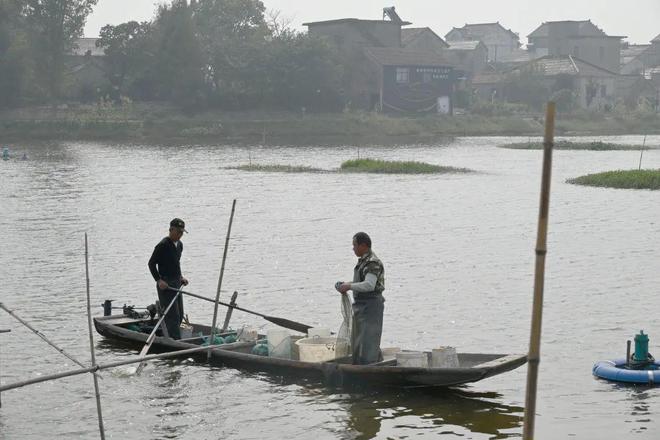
107,307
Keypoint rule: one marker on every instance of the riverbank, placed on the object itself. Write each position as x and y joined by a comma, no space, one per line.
144,122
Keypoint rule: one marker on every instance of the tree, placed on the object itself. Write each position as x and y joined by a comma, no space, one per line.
233,34
14,67
54,26
127,53
178,64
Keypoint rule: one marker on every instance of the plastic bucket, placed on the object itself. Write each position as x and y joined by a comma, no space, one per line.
444,357
279,344
247,334
318,332
416,359
322,349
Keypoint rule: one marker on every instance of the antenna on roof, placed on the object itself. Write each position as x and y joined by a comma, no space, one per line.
391,13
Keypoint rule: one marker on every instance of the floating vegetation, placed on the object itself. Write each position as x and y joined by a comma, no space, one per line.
570,145
396,167
632,179
277,168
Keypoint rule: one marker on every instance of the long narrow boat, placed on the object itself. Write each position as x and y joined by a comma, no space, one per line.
472,367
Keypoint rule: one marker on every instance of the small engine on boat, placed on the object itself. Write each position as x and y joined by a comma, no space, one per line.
641,358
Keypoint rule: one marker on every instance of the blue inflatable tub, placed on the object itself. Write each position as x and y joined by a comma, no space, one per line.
615,371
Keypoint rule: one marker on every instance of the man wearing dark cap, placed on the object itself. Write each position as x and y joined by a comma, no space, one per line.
165,267
368,302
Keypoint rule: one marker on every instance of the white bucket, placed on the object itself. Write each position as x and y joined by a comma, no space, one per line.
247,334
318,332
417,359
322,349
185,330
444,357
279,344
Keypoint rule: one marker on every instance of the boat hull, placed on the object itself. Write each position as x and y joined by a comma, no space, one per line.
473,366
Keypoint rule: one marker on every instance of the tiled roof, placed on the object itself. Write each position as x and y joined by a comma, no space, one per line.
656,39
632,51
83,45
564,65
408,35
480,29
570,28
516,56
487,78
463,45
388,56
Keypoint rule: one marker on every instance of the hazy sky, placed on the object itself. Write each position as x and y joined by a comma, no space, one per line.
637,19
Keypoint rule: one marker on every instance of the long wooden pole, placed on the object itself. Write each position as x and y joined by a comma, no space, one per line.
534,356
222,272
99,367
152,335
3,331
91,342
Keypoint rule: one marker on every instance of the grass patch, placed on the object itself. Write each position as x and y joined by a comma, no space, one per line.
396,167
632,179
277,168
570,145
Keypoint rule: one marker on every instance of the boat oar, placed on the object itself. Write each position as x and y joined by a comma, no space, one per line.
286,323
152,335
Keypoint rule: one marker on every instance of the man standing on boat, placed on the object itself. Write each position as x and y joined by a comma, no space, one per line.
165,267
368,302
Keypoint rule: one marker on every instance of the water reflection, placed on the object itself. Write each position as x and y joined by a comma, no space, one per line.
435,411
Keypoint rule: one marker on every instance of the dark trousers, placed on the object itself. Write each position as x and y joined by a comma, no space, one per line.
175,314
367,329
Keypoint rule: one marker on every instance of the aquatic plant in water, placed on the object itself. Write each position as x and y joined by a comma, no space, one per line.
631,179
396,167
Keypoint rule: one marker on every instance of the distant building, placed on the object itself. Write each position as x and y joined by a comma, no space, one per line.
580,39
636,58
593,86
86,70
388,68
412,81
501,42
469,57
422,39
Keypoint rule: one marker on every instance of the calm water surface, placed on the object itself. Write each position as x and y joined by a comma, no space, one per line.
458,251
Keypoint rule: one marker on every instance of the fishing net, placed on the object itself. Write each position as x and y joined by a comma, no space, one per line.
344,333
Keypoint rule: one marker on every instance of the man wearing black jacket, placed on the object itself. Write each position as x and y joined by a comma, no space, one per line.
165,267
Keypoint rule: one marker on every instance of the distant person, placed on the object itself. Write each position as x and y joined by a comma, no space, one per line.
368,302
165,267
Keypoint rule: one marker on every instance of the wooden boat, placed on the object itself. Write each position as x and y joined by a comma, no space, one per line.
473,367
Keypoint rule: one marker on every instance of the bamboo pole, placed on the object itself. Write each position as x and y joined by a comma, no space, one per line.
534,356
91,342
152,335
42,336
222,272
3,331
641,154
99,367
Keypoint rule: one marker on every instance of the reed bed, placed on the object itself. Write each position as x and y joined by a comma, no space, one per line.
396,167
631,179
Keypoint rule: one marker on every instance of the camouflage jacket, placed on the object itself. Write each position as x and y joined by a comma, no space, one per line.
370,263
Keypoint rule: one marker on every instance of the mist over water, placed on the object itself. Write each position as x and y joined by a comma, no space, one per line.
459,256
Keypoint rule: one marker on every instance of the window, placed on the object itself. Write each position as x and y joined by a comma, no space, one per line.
603,91
402,75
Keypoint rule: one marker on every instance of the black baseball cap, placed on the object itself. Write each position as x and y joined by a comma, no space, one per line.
178,223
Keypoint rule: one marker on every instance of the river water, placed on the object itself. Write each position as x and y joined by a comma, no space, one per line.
458,251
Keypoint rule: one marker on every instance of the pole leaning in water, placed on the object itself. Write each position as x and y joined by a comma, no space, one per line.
534,356
91,342
222,272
